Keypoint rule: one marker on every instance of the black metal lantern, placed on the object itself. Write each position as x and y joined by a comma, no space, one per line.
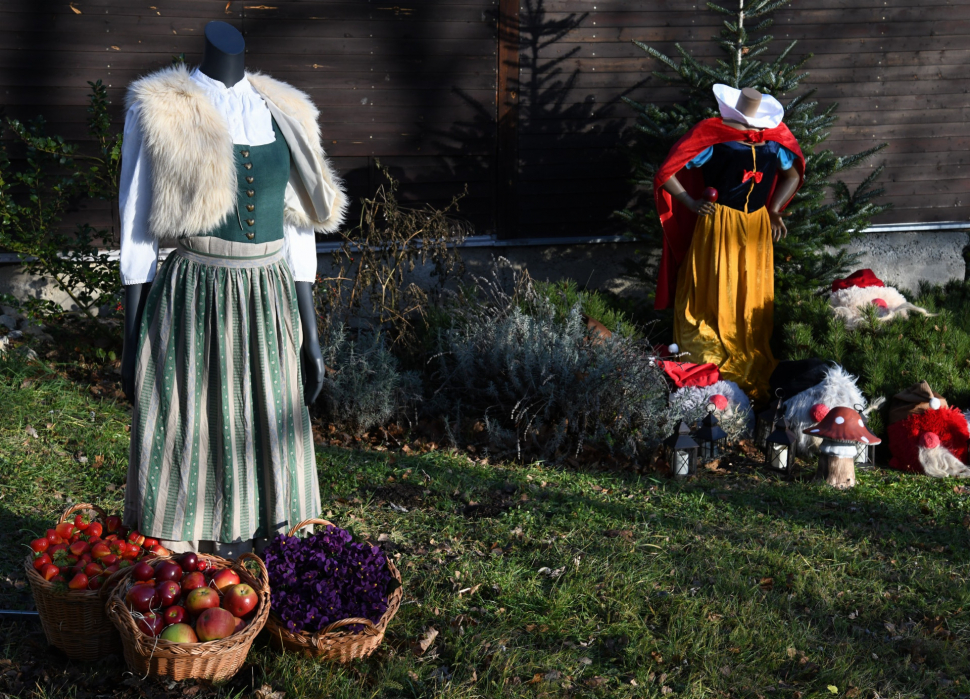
681,452
866,454
766,420
711,438
779,448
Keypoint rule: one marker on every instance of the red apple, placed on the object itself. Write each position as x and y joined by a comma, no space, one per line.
49,571
142,598
94,530
193,581
201,599
189,561
112,524
225,578
79,582
173,615
168,570
168,592
143,571
240,625
214,624
41,560
709,194
93,570
240,599
179,633
151,624
40,545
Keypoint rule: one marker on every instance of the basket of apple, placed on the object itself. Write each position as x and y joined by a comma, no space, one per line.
71,569
193,617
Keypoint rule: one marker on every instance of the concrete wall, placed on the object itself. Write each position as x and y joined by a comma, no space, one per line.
901,259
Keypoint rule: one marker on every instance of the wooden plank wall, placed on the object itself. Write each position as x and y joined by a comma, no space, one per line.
897,69
415,85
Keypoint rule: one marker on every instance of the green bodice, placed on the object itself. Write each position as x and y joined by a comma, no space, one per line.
261,173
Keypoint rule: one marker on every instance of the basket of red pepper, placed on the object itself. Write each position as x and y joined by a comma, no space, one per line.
72,568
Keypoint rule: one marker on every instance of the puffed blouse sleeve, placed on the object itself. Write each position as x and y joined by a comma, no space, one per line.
300,251
139,249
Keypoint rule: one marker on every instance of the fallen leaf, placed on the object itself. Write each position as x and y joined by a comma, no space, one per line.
421,646
194,689
620,534
31,432
116,48
657,658
585,661
411,673
597,681
536,678
767,583
852,692
98,461
791,652
76,11
383,537
726,671
469,590
552,675
832,688
267,692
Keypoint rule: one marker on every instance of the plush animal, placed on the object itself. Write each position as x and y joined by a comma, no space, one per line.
838,388
690,403
850,304
933,442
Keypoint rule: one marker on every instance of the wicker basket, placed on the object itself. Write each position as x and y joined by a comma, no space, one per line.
213,660
75,620
334,642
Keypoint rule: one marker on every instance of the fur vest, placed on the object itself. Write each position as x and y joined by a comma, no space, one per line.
193,162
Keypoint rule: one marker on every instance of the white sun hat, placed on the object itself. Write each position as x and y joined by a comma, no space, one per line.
769,114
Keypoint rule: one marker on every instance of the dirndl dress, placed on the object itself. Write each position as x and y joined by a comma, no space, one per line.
221,446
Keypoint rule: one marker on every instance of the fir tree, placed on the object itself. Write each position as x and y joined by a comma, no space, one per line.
819,226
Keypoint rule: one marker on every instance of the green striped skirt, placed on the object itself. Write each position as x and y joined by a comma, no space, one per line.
221,448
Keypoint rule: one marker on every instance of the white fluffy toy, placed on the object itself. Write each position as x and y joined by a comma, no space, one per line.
838,388
735,417
850,304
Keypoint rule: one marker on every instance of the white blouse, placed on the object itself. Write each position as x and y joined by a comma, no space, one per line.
250,123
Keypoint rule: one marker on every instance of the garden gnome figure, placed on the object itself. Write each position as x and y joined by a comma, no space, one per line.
717,264
221,352
842,430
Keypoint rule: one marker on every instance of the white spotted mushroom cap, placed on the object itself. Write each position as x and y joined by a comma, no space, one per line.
843,425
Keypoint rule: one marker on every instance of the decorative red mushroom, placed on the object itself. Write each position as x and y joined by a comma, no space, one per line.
841,431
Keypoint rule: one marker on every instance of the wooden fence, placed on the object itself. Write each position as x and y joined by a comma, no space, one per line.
520,99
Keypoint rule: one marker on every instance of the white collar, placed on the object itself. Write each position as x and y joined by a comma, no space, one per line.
243,87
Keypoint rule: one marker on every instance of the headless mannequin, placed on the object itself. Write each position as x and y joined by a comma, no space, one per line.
787,179
224,60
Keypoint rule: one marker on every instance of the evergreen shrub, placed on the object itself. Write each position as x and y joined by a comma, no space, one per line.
365,387
515,374
889,356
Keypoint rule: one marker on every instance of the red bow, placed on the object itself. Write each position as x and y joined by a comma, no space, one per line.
754,136
748,174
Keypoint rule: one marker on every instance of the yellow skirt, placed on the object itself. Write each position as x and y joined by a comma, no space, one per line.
724,308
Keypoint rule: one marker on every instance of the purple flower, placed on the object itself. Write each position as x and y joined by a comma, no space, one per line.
326,577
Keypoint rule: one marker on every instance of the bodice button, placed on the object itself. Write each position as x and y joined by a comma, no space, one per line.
250,192
250,207
244,153
251,235
248,166
250,221
249,180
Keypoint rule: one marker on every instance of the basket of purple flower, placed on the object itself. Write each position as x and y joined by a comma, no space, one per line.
331,598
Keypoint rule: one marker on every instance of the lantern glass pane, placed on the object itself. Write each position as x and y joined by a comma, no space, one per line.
779,457
681,463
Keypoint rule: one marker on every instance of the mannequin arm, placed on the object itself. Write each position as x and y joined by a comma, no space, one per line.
785,189
135,297
313,368
677,191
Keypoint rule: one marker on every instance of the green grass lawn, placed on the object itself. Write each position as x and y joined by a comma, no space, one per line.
544,582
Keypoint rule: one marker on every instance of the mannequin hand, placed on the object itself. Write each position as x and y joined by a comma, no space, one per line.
698,206
313,372
778,228
128,372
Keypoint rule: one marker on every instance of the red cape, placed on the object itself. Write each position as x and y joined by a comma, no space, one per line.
677,220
